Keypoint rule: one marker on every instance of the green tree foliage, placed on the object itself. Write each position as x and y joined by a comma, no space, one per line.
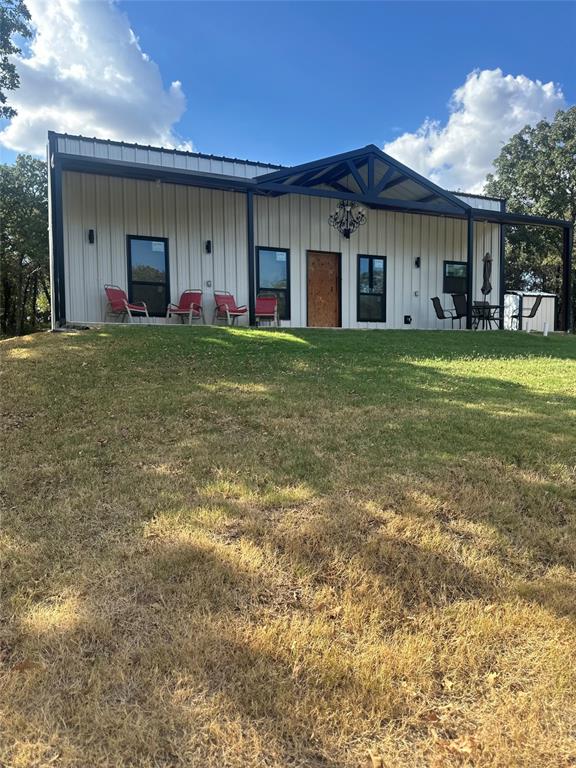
14,20
536,172
24,262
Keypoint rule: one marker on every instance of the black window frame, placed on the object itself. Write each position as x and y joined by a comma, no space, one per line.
129,239
359,293
274,291
462,285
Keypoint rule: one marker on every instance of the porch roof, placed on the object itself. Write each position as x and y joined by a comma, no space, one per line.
367,175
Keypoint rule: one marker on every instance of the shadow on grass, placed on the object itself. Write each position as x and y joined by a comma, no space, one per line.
416,476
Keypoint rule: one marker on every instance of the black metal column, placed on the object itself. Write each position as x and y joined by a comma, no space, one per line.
470,270
250,245
502,272
567,279
56,233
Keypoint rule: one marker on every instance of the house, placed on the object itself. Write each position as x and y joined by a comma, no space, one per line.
158,221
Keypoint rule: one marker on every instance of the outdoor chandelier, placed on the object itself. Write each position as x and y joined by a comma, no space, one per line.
347,218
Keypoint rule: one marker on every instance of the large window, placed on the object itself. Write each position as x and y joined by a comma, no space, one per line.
371,289
273,277
148,272
455,277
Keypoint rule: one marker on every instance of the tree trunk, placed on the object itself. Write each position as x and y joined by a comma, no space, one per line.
22,308
6,301
34,299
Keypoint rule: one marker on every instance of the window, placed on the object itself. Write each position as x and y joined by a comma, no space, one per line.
455,277
273,277
148,272
371,289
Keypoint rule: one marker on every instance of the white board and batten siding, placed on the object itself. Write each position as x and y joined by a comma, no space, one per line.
300,223
480,201
189,216
161,157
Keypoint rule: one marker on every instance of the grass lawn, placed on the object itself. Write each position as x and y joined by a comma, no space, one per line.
230,548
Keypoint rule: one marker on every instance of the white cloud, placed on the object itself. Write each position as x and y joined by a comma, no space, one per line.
484,113
86,73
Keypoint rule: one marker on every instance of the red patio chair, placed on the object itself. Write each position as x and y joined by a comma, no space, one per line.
226,307
190,306
118,303
267,309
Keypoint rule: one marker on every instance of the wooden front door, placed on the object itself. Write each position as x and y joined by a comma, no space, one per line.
323,289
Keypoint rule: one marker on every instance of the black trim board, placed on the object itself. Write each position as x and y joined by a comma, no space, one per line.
145,172
57,234
251,257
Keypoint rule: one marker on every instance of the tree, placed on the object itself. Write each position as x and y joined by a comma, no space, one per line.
14,20
24,262
536,172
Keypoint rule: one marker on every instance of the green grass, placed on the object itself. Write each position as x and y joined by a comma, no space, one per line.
296,548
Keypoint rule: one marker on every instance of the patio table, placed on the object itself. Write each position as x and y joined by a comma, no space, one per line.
485,314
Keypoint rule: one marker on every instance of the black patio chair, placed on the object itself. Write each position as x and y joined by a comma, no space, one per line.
441,313
531,312
460,306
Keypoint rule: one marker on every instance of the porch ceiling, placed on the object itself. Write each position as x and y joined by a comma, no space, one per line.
367,175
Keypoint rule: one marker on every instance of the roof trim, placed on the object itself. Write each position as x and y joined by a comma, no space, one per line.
123,169
517,219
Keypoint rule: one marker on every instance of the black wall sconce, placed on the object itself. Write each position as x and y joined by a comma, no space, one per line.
91,236
407,319
208,246
417,262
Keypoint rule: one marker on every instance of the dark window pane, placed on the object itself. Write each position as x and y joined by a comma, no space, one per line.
455,270
377,275
364,276
370,307
148,260
455,277
273,269
153,295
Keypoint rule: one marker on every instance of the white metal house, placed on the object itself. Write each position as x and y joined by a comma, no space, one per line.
216,223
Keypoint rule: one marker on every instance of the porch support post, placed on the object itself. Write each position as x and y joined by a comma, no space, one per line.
567,279
502,274
250,247
469,270
56,225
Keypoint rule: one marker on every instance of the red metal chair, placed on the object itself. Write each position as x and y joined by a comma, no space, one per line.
267,309
226,307
118,303
190,306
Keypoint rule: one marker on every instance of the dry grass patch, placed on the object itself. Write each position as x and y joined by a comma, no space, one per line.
250,548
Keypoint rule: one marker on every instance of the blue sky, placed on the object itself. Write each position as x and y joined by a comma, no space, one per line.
441,86
288,82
